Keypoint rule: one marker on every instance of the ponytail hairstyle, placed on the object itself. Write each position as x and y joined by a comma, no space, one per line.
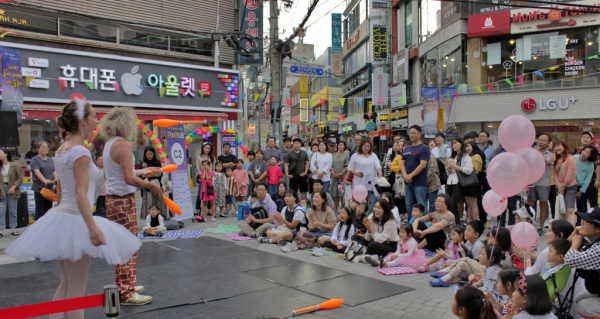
409,230
494,252
73,112
509,275
349,221
474,302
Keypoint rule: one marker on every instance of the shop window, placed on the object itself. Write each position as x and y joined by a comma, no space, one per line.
561,56
430,12
144,39
88,30
444,66
192,46
408,19
29,22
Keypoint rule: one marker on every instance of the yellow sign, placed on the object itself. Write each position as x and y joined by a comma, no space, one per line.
370,107
322,124
303,110
384,118
440,120
252,130
303,86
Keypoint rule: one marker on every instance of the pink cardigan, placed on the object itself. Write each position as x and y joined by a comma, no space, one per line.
242,177
564,172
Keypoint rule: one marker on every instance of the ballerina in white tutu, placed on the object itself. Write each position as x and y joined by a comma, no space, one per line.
69,233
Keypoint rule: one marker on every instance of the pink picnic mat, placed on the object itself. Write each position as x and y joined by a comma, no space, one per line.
390,271
238,237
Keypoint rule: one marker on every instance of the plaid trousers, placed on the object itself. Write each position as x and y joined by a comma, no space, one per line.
122,210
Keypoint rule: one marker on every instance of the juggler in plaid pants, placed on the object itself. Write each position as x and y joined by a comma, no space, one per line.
122,210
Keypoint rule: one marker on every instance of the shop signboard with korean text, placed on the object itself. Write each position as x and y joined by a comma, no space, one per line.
379,42
231,139
489,24
383,118
251,16
430,111
398,96
400,66
180,178
304,110
525,20
448,94
303,86
399,119
380,89
12,82
356,37
336,32
253,130
123,81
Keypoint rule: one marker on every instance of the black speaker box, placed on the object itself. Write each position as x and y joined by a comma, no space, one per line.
9,129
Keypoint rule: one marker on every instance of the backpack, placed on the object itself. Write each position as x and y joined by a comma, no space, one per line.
442,171
304,240
258,213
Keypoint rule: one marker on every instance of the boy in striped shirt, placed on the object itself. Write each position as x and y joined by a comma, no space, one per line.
231,191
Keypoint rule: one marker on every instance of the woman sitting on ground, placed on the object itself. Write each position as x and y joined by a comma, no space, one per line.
343,231
442,220
382,235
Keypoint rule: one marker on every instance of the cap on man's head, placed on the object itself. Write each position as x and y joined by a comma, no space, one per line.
591,216
525,212
588,133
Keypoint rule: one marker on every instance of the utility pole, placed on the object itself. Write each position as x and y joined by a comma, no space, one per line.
276,66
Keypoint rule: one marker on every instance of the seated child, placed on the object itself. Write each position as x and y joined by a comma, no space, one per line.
342,233
559,276
407,254
417,212
454,252
305,204
530,299
155,223
501,238
470,249
482,273
506,288
523,214
360,213
469,302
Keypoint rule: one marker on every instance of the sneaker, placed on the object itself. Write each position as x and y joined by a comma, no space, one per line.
547,224
263,240
540,231
289,247
318,252
439,266
199,218
15,233
437,274
439,283
223,216
139,289
136,300
371,261
423,269
213,219
282,242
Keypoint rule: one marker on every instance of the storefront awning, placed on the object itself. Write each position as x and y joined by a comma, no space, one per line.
386,133
35,110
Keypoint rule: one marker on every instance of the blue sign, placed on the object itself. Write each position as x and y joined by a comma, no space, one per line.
306,70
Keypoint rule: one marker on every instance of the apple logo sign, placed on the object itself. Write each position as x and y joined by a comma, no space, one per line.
131,82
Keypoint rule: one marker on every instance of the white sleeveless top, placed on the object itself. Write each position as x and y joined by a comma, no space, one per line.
115,183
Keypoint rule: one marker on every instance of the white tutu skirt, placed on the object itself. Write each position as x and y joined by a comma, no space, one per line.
62,236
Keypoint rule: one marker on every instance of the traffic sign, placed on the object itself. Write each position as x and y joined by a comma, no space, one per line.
306,70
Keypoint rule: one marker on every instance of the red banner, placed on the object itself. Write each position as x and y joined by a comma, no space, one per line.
489,24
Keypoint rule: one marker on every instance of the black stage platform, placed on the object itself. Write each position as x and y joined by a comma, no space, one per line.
205,278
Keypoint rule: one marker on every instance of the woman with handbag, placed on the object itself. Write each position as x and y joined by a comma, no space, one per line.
565,178
44,176
11,178
320,164
473,193
151,159
459,167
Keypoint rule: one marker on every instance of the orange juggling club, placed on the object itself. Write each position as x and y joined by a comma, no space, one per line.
169,168
172,205
168,123
329,304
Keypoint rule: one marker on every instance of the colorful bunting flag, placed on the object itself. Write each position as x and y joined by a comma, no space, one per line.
401,100
520,77
322,102
468,93
343,116
63,84
491,87
289,102
369,114
539,73
312,101
593,57
201,93
479,89
28,79
355,115
256,96
342,101
328,117
271,98
162,91
117,87
90,85
552,68
360,101
509,82
380,101
456,94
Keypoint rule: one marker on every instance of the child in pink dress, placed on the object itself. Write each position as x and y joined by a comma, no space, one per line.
408,253
206,182
241,176
274,175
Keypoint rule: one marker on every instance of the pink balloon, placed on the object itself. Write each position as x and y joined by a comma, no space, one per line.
516,132
535,163
360,193
523,235
507,174
494,204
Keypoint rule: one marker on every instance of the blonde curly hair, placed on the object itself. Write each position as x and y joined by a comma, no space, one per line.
120,121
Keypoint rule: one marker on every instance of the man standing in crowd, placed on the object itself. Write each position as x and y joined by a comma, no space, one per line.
287,147
591,193
414,168
271,151
296,168
332,146
484,139
357,139
540,190
469,137
228,159
442,150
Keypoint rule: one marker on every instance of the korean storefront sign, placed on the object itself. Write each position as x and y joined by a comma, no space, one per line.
336,32
251,15
536,19
357,36
383,118
123,81
398,96
430,111
448,94
380,89
529,105
400,66
399,119
379,42
253,130
379,4
489,24
179,177
303,86
304,110
12,82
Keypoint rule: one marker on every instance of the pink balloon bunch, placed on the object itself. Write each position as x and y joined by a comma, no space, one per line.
508,173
